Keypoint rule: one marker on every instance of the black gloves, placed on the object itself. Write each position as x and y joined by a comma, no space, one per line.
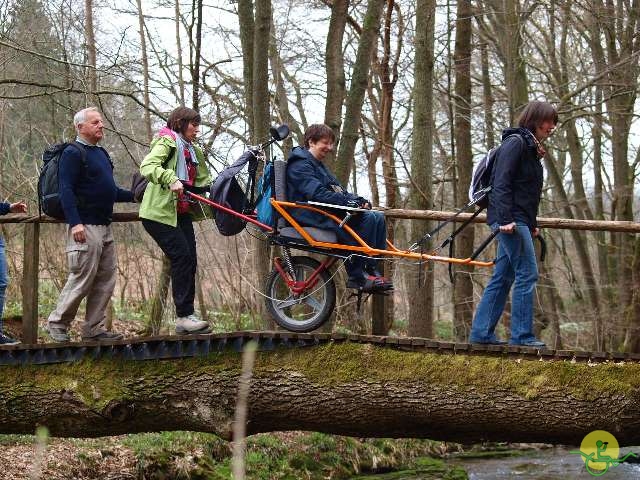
358,202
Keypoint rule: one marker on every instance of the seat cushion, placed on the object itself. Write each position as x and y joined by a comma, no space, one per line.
318,234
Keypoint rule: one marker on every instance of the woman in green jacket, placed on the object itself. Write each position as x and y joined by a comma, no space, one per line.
174,160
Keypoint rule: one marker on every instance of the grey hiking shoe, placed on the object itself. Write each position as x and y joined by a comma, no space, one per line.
57,334
191,324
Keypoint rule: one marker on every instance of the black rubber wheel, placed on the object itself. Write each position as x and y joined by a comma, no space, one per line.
306,311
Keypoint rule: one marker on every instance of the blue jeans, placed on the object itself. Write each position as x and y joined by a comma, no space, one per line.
372,228
515,265
4,280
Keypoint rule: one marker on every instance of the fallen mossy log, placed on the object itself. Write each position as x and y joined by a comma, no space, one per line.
340,388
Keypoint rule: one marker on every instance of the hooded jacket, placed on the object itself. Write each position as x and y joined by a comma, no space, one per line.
159,202
516,180
309,180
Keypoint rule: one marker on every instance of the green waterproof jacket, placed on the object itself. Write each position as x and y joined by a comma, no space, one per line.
159,203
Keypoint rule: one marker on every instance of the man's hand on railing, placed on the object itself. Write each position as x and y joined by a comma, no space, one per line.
18,207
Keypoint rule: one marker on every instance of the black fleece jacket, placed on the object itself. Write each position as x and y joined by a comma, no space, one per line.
516,180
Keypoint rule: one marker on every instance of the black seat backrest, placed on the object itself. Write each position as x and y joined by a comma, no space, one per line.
280,179
280,193
280,185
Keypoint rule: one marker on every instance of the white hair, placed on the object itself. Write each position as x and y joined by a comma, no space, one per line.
81,116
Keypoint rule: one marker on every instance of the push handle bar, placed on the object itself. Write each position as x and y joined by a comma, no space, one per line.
484,244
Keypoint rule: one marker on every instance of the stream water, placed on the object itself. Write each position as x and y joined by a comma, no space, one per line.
549,464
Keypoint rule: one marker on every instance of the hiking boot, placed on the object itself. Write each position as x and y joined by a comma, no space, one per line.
6,340
191,324
57,334
104,336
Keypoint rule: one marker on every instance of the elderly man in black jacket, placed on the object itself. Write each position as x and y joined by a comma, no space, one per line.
308,179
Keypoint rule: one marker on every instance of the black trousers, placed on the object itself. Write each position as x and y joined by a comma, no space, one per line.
179,245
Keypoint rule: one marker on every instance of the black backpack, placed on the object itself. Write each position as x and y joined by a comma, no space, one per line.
139,183
226,191
48,185
481,177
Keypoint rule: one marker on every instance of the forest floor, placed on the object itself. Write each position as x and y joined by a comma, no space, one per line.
189,455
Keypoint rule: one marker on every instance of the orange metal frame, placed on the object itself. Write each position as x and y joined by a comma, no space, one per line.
362,247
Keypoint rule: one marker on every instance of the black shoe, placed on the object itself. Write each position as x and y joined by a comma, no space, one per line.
369,284
374,272
6,340
104,336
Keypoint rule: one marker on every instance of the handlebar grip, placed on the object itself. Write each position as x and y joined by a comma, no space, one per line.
194,189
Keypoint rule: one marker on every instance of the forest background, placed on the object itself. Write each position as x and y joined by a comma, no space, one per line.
415,91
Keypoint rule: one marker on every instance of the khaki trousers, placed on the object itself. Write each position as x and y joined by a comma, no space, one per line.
92,274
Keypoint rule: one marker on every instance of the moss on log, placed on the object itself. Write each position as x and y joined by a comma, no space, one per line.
348,389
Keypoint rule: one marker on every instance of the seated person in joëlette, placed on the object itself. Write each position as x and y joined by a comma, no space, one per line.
308,179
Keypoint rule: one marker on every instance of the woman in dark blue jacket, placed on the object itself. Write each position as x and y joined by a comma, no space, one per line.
516,183
308,179
18,207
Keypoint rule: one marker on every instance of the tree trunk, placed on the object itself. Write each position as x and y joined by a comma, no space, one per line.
515,64
600,63
383,306
622,48
179,56
202,299
281,100
336,83
583,256
246,23
90,40
145,71
463,287
505,29
420,278
159,298
606,280
348,389
197,54
261,124
487,98
355,99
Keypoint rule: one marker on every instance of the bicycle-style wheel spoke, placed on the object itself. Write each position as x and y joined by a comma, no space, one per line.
313,303
288,302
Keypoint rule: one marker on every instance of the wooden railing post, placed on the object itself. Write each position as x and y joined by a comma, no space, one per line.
30,283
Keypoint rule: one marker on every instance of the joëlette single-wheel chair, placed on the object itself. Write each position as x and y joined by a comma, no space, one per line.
300,292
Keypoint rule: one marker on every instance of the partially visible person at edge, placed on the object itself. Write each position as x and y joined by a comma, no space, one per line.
87,195
173,162
18,207
513,206
308,179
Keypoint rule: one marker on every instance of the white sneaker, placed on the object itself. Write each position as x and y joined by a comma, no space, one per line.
191,324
